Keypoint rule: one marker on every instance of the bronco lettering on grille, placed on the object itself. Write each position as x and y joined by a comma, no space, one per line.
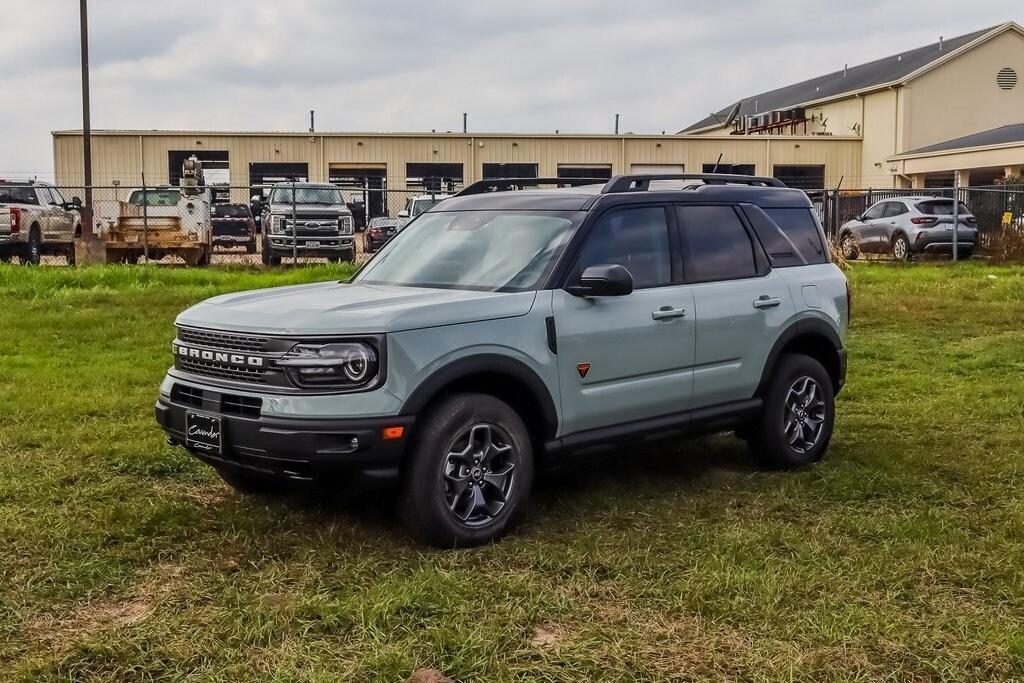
218,356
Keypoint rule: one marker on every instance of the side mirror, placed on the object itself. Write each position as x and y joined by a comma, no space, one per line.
76,202
255,199
403,214
603,280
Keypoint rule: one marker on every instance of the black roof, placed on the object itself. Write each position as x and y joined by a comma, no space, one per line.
854,78
1011,133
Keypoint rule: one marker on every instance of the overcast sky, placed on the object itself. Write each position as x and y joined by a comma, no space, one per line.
407,65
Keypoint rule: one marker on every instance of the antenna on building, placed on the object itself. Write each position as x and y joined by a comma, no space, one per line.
312,127
940,42
616,124
465,119
846,68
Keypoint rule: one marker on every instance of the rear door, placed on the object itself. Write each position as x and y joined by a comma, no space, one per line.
741,304
63,225
626,358
892,221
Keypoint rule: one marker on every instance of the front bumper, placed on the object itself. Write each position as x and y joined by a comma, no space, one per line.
293,448
328,244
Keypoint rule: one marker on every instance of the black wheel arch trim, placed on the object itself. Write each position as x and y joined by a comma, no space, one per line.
807,327
487,363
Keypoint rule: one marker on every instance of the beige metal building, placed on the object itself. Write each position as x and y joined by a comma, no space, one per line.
886,123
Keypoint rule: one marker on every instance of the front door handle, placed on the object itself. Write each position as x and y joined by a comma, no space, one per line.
667,312
765,301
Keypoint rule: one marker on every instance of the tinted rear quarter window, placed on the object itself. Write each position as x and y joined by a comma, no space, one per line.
790,236
17,195
715,244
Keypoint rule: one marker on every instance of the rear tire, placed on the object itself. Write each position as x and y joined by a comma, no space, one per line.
248,484
901,248
795,426
469,473
33,251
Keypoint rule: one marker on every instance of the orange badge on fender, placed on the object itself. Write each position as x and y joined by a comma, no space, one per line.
583,369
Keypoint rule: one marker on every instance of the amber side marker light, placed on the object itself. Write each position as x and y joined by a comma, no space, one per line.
390,433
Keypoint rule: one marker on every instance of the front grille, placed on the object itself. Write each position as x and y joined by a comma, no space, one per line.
221,340
186,395
246,406
229,404
211,369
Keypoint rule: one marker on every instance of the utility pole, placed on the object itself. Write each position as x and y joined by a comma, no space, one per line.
465,126
87,221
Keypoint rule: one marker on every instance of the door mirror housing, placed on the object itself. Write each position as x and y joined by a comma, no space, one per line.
255,199
76,202
603,280
403,214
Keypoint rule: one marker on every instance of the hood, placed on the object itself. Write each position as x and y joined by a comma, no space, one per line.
330,308
302,209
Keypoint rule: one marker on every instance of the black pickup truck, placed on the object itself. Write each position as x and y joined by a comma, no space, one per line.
233,226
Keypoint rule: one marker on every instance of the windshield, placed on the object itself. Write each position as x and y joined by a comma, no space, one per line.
155,197
421,205
307,195
505,251
941,207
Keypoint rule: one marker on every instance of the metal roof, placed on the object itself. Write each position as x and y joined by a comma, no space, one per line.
1004,135
850,80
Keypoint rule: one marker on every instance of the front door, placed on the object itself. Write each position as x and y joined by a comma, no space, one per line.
626,358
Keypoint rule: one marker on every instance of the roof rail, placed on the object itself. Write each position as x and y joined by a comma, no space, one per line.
505,184
641,183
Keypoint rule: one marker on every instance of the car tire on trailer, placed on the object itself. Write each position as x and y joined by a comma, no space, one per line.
901,248
468,475
796,421
848,247
33,251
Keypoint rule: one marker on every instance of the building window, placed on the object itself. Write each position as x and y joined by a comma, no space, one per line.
733,169
435,177
597,171
802,177
509,170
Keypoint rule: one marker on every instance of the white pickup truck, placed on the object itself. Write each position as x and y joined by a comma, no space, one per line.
36,219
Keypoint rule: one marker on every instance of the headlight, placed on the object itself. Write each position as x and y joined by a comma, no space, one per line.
276,225
345,225
345,365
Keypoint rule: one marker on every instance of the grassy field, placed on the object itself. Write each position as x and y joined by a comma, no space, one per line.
901,556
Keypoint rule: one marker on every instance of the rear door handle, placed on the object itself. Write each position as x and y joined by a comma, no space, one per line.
667,312
765,301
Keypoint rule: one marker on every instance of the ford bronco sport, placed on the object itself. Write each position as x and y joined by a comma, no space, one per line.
502,329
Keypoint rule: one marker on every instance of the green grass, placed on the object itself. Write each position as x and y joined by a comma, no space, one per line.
901,556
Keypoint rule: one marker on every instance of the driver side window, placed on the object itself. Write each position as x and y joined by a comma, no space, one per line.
636,239
875,211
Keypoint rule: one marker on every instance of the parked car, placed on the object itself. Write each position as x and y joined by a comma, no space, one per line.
233,226
906,226
505,328
414,206
378,233
36,219
318,218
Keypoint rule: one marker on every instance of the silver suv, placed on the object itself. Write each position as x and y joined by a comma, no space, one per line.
906,226
502,330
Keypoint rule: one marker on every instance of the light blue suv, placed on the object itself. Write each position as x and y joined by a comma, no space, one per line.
505,329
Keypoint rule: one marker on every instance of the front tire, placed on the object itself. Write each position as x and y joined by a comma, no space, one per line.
901,248
469,474
796,423
848,246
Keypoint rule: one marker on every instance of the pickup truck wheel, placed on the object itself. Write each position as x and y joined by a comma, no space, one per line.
269,259
33,251
796,422
250,484
469,474
69,254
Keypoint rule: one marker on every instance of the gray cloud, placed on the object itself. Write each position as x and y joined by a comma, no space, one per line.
528,66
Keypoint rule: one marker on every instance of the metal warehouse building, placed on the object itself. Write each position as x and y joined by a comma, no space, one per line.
908,120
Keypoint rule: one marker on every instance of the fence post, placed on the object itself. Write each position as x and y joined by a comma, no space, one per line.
956,214
145,219
295,229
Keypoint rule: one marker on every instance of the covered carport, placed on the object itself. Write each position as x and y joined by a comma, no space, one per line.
985,158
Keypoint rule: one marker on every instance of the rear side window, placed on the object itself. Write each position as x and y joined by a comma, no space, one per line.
800,226
17,195
715,244
940,207
875,211
893,209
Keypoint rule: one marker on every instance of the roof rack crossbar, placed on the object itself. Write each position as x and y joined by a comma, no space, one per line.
642,182
506,184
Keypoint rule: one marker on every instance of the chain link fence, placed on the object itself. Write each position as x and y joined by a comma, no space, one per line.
236,224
